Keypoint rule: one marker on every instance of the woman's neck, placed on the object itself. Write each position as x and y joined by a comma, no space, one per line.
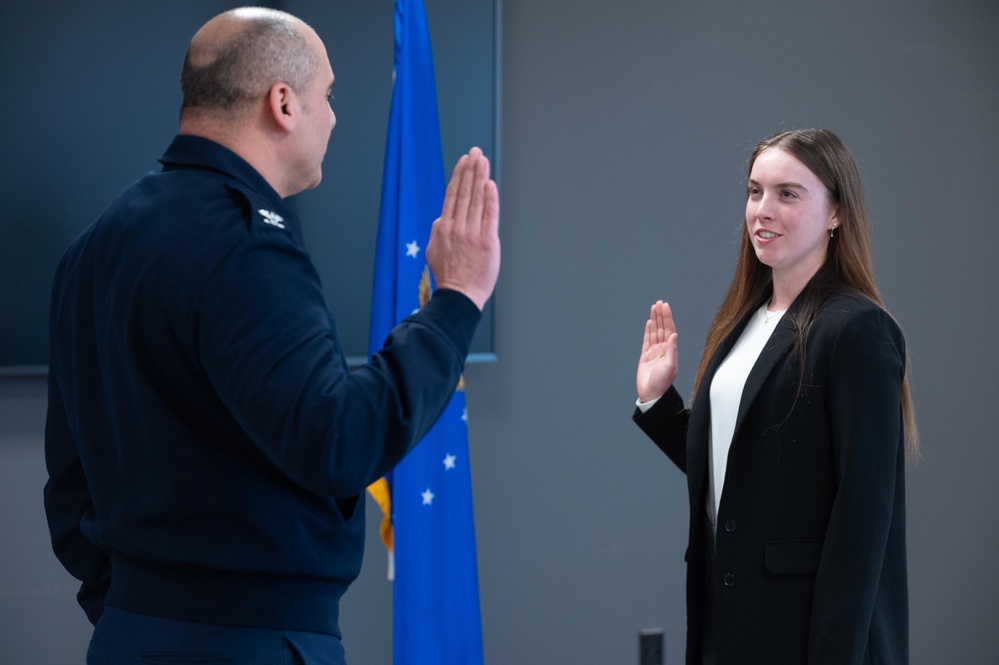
787,287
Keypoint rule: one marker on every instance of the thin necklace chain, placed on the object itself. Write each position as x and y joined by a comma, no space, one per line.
767,315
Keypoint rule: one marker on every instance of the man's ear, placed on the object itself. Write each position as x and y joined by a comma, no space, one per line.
282,103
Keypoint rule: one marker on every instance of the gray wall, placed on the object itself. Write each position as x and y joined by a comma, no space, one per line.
626,127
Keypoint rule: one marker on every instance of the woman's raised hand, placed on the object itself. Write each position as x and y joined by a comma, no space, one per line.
657,365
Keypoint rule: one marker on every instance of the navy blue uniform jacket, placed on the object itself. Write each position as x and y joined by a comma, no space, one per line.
810,562
206,445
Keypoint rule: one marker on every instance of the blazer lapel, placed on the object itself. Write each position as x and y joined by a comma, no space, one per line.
775,349
699,427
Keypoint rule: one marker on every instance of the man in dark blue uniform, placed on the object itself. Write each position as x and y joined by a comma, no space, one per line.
207,447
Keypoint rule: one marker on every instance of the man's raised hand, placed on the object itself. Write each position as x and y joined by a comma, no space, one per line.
464,247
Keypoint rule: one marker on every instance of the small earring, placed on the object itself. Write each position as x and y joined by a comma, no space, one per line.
832,232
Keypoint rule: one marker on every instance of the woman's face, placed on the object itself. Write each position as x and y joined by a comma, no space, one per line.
788,215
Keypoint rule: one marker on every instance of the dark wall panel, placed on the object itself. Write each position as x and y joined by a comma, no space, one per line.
93,98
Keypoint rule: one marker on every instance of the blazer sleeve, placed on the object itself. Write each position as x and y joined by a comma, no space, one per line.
666,424
866,370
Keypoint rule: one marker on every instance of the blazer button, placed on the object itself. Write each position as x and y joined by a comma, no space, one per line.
730,526
729,580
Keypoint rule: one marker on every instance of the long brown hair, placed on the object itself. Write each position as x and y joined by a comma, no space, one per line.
848,267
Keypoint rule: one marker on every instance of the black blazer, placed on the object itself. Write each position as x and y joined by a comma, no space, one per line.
809,563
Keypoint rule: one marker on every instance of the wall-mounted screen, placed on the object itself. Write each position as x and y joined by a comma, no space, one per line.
93,95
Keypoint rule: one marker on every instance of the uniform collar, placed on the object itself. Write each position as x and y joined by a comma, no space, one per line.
188,151
196,152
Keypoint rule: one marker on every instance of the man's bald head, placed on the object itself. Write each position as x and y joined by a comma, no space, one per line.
235,58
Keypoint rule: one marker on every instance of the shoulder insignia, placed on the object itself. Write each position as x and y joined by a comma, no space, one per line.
272,218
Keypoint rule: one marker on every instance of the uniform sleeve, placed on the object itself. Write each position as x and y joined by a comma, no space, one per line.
67,500
666,424
864,405
268,345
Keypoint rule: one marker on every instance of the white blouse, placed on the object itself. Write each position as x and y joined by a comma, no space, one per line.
726,395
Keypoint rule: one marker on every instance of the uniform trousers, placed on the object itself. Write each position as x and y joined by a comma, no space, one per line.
125,638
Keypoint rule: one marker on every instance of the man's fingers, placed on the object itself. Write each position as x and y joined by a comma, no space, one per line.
490,213
466,194
478,202
451,193
466,184
464,198
464,249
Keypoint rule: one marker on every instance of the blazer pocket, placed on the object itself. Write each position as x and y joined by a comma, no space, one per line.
792,557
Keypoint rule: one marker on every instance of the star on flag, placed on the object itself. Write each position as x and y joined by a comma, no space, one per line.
428,497
449,461
412,249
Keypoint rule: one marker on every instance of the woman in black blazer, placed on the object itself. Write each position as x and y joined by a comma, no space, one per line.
796,439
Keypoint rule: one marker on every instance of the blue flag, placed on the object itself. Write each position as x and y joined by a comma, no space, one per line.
436,591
